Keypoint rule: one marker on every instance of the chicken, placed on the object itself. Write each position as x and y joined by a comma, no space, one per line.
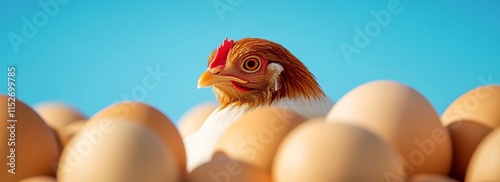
248,74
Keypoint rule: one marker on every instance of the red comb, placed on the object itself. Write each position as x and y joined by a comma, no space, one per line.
221,55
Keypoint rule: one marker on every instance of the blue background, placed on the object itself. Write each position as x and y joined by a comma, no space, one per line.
90,53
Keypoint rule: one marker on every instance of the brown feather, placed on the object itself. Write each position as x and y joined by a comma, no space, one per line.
295,80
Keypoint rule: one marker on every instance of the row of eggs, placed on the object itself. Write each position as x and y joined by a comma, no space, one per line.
379,131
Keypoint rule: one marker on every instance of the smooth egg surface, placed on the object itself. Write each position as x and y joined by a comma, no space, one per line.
322,151
117,151
222,168
255,137
57,114
402,117
150,117
485,162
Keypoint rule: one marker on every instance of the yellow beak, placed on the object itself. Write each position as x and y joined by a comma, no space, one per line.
208,79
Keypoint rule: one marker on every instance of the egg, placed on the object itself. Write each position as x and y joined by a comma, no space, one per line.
150,117
222,168
57,114
67,132
29,147
485,162
255,136
469,119
430,178
117,151
192,120
322,151
402,117
39,179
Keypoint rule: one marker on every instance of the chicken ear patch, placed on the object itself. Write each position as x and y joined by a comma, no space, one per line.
221,55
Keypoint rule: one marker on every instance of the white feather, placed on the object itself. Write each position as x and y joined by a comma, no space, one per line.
201,145
276,69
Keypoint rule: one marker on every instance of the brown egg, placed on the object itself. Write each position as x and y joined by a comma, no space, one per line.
485,162
192,120
469,119
67,132
117,151
150,117
255,137
430,178
29,147
57,115
403,118
225,169
39,179
322,151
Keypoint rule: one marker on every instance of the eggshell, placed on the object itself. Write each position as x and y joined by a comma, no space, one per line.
57,114
430,178
150,117
255,137
485,162
469,119
192,120
403,118
67,132
226,169
117,151
322,151
36,146
39,179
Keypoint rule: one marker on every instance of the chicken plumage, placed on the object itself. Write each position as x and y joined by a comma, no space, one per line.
247,74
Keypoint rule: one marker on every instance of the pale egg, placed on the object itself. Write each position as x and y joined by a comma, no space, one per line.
222,168
485,162
57,114
402,117
255,137
322,151
150,117
117,151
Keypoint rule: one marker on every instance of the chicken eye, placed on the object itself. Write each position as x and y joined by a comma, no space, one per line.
251,64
